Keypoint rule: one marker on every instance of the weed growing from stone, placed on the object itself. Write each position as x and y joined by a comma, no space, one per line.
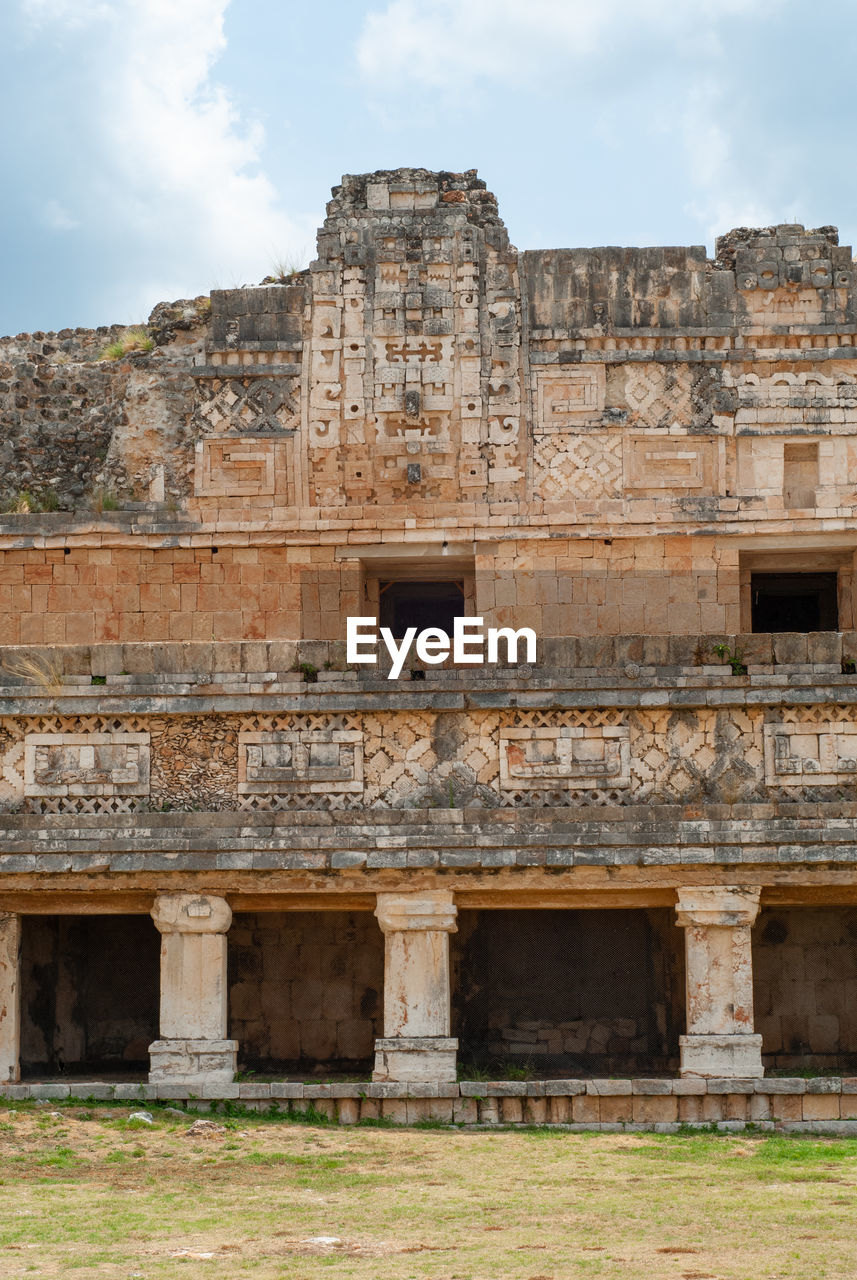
132,340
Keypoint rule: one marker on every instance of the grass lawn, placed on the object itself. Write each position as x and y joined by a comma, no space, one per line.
84,1192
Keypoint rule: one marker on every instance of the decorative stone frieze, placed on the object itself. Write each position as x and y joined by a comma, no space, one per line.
587,466
720,1039
300,761
246,402
574,756
234,466
818,754
680,463
568,397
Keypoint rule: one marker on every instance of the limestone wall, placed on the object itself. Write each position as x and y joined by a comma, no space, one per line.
610,437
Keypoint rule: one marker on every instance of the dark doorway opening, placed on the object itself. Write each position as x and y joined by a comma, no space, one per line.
804,977
306,990
563,991
794,601
90,989
420,605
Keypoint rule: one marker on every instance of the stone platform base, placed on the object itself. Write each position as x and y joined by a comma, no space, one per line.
193,1061
416,1058
721,1056
824,1105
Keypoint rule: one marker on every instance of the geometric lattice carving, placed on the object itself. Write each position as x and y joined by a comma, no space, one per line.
86,764
531,759
683,756
823,754
578,466
659,394
302,760
246,405
581,756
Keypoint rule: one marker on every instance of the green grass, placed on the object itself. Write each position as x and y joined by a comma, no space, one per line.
130,341
82,1191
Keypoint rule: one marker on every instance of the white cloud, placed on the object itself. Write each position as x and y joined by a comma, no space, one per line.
640,78
68,13
175,171
446,43
57,218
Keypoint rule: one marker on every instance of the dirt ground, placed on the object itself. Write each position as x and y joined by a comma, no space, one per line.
88,1191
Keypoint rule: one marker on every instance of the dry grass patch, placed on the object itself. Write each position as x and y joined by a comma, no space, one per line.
85,1192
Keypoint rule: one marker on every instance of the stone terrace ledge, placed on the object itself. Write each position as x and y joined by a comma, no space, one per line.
628,658
784,1105
455,841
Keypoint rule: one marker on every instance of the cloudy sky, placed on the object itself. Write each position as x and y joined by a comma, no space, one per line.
154,149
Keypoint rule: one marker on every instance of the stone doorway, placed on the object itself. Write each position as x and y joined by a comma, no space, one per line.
305,991
568,992
89,987
805,988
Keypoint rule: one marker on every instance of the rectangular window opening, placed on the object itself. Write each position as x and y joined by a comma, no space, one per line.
794,601
404,604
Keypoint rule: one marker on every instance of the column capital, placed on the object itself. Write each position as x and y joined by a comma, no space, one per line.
433,909
191,913
718,905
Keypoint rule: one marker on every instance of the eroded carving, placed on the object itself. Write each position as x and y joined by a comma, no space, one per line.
86,764
821,754
577,756
300,760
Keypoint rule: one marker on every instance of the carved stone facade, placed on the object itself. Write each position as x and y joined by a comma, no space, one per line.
603,861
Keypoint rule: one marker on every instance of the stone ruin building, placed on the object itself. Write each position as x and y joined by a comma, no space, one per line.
620,879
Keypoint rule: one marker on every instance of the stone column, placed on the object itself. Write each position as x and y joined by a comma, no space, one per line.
416,1045
10,997
192,1048
717,920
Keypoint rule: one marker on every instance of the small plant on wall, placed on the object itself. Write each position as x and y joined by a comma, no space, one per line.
734,657
104,500
132,340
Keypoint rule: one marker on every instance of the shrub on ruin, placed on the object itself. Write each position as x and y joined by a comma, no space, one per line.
103,500
130,341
